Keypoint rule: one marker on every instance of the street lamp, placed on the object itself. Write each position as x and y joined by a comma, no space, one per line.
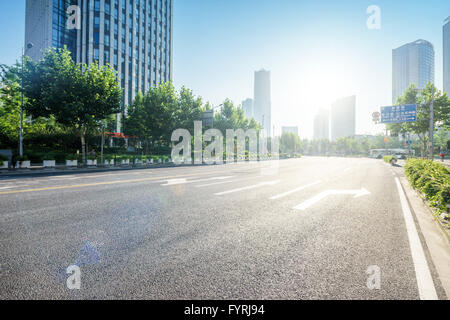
29,46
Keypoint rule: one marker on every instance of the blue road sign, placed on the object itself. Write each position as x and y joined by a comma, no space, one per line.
399,114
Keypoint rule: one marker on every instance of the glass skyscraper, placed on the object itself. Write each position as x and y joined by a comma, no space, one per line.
412,63
446,37
343,118
133,36
262,105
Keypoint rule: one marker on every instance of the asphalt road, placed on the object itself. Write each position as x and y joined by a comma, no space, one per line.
309,229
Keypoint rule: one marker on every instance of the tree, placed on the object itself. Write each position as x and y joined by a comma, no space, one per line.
423,100
232,117
77,96
441,138
10,108
152,117
290,143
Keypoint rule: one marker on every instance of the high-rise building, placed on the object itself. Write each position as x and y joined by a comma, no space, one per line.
262,106
343,118
322,125
446,37
412,63
133,36
247,105
293,130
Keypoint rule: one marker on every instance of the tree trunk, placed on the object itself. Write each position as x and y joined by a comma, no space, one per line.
424,145
83,149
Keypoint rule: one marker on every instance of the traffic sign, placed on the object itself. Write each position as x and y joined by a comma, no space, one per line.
399,114
376,116
408,142
386,139
208,118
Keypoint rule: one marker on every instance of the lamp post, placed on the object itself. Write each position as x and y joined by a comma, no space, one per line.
29,46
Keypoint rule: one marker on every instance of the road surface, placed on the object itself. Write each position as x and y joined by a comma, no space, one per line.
313,228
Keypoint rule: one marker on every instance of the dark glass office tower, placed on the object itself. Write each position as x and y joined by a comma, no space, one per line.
133,36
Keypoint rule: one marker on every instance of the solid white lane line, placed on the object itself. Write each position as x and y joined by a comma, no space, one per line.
173,182
262,184
308,203
424,279
285,194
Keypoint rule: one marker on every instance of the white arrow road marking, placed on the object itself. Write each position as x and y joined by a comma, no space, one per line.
173,182
262,184
308,203
294,190
425,283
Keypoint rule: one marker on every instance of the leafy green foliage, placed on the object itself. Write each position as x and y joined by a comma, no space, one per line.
290,143
431,178
441,107
77,96
232,117
390,159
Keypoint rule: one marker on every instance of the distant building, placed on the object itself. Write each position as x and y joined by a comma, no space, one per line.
262,105
289,130
343,118
412,63
322,125
247,105
446,36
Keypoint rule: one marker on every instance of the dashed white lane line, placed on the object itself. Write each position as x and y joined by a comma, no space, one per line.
285,194
310,202
427,291
173,182
224,182
262,184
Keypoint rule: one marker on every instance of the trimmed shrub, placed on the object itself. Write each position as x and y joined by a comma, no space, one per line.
390,159
430,178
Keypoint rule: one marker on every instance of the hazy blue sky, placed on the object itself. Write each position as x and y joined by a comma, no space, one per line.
317,51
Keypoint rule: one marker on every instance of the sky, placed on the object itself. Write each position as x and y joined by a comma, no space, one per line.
317,51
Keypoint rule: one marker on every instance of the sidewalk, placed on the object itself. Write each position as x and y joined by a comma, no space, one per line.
435,236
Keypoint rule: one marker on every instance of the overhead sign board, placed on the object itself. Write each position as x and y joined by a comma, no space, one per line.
208,118
399,114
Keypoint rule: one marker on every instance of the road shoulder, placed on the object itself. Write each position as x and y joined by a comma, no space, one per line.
436,239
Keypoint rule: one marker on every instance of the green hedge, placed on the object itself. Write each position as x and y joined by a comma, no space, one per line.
389,159
432,179
3,159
